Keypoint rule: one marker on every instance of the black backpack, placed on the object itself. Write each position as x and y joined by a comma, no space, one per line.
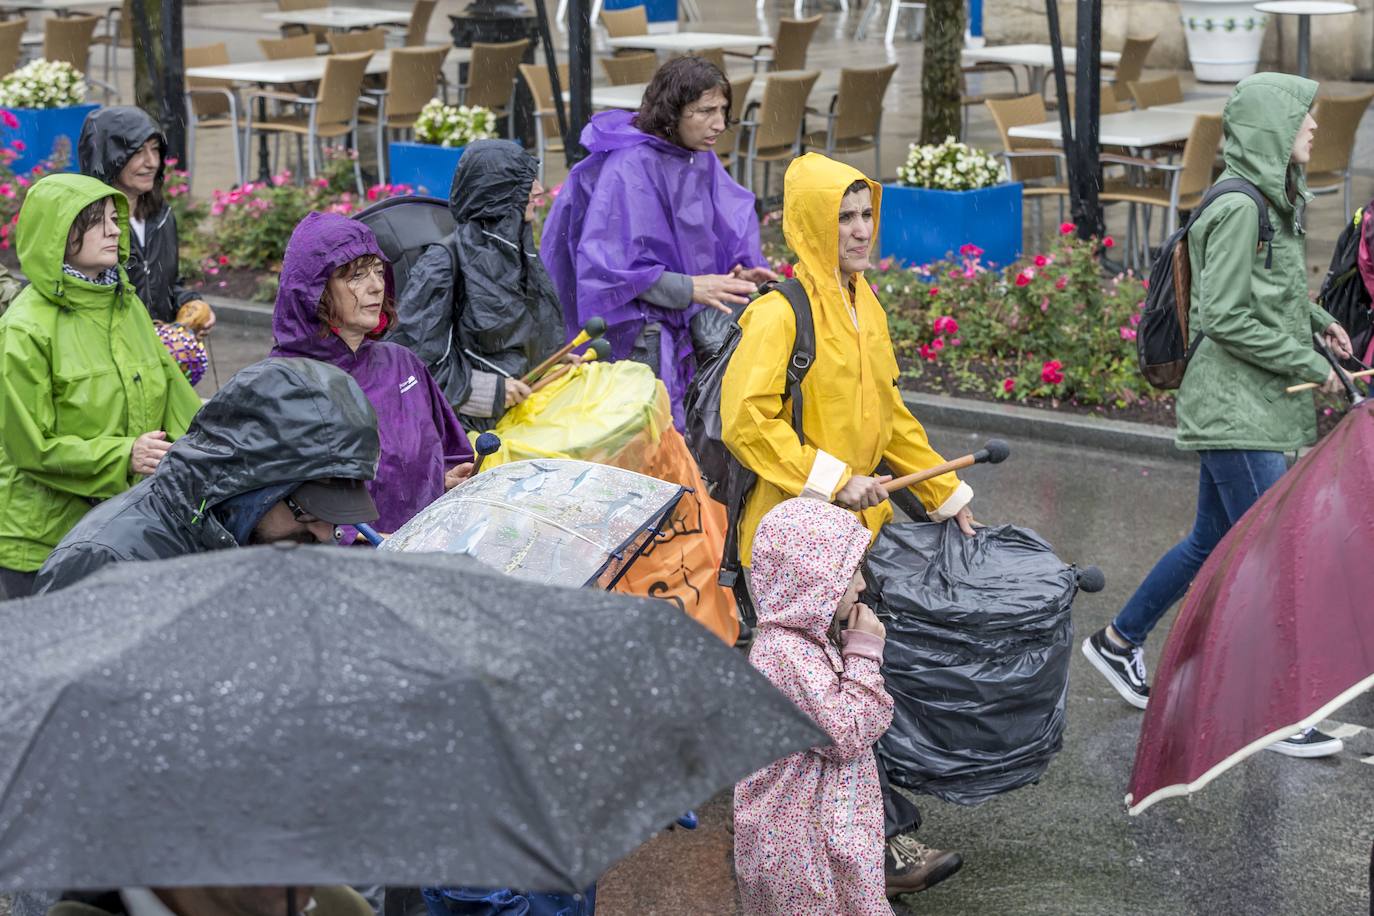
727,480
1162,346
1343,292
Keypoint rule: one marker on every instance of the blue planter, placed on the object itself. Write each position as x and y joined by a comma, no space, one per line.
40,129
918,225
425,167
657,10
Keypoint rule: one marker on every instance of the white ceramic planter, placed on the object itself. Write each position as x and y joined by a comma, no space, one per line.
1224,38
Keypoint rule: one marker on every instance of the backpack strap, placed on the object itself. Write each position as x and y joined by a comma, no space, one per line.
803,346
1241,186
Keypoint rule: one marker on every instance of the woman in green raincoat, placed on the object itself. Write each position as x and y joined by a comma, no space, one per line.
90,399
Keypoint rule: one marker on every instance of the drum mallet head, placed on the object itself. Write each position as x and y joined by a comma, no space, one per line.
486,444
597,349
1090,579
595,326
995,451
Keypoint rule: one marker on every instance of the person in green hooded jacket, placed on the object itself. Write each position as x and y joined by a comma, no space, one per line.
90,399
1251,304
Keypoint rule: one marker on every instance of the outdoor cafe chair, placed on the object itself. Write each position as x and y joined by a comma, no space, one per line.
854,121
331,115
317,33
625,23
410,83
356,42
420,15
1168,186
1328,169
1128,69
1036,164
69,39
546,136
211,104
491,78
726,142
714,55
118,33
789,47
771,129
1149,93
638,67
11,38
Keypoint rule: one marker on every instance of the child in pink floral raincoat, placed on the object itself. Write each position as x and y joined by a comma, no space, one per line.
809,828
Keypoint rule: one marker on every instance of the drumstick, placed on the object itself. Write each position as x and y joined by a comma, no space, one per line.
600,349
994,452
1308,386
594,327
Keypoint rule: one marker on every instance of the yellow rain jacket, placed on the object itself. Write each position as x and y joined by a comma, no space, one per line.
853,415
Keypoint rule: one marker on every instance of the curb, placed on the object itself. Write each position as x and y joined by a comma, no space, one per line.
1131,439
1138,440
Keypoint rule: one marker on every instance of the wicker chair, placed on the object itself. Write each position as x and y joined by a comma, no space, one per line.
1338,119
1036,164
625,69
410,83
772,128
211,104
854,121
491,77
546,135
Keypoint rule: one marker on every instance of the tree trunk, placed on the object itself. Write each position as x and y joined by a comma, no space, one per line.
941,113
159,72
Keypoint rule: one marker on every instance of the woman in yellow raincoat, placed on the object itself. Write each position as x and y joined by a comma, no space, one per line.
853,415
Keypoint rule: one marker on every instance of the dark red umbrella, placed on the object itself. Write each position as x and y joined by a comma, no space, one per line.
1277,631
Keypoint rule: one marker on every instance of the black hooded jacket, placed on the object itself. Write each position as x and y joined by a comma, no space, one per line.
483,288
276,422
109,139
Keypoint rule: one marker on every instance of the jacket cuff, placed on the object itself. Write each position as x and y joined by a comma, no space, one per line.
961,497
485,388
827,476
1321,318
857,642
670,291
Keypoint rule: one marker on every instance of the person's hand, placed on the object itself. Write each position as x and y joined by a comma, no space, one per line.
457,474
516,391
755,275
720,291
1338,340
965,519
147,451
1332,385
862,492
862,618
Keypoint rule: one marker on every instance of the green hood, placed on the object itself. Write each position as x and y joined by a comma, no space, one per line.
44,221
1260,123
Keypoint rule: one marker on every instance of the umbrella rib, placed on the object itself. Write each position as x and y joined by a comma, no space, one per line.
540,518
1254,747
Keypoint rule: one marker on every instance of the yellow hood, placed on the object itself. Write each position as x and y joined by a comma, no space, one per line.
812,190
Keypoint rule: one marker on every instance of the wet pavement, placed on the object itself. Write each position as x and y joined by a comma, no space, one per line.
1273,836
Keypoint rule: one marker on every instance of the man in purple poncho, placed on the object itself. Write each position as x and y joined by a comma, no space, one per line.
335,299
649,229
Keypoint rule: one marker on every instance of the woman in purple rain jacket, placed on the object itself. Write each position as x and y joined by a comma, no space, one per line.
335,299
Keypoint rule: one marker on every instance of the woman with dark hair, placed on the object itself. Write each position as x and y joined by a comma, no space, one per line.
335,300
89,399
649,229
123,147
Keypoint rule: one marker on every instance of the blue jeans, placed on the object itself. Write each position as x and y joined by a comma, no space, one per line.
1230,483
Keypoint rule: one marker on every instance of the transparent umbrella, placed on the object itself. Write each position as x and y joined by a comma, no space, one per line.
552,521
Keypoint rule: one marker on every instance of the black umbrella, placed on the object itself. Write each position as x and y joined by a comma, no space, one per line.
319,715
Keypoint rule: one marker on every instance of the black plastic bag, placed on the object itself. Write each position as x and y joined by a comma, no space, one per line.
977,657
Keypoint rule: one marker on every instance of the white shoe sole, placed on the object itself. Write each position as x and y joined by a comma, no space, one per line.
1112,677
1308,751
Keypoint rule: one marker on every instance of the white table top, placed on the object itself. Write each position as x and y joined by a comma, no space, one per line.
296,69
689,41
1029,55
55,6
1133,129
340,17
1304,7
1211,104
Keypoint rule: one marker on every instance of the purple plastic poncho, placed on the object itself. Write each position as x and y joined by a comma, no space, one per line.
637,206
420,435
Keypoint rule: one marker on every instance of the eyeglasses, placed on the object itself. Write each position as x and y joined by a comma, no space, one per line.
299,514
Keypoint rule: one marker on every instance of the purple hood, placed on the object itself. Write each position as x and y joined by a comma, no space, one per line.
637,206
420,435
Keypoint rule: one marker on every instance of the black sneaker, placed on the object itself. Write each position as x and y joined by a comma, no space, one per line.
1308,743
1124,669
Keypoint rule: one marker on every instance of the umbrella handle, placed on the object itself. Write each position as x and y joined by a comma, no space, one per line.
1349,386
